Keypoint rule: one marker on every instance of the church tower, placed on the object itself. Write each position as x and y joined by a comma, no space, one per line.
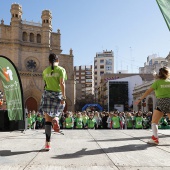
46,28
16,18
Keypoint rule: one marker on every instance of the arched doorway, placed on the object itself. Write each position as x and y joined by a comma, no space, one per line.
31,104
150,104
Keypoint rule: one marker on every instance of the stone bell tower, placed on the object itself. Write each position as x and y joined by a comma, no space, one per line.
16,18
46,28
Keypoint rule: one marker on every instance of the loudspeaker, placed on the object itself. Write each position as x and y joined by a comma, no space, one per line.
4,120
17,125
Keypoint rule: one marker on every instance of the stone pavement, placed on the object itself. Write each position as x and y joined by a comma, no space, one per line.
84,150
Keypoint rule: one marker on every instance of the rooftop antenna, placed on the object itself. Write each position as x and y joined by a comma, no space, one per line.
116,57
131,58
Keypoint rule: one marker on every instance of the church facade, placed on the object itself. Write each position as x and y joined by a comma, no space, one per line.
28,46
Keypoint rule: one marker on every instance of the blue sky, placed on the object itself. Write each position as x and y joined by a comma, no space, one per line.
132,29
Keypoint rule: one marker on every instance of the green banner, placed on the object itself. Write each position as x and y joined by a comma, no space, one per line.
12,88
164,6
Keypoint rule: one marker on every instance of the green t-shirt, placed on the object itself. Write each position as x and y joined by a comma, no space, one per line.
115,122
53,81
29,121
79,123
163,121
91,123
138,122
129,122
69,122
33,116
162,88
39,118
85,118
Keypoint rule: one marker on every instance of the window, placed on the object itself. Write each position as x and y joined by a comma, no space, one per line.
101,61
31,37
88,80
89,73
88,85
108,68
101,66
24,36
102,72
38,38
88,77
156,62
109,62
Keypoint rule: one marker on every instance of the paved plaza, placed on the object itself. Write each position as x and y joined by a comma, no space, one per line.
84,150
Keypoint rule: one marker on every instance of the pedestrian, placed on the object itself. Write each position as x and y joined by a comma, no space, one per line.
138,120
69,120
116,121
104,119
161,86
91,122
53,97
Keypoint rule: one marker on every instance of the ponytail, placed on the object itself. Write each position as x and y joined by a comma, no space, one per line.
52,59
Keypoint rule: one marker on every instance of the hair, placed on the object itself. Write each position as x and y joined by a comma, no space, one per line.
52,59
164,73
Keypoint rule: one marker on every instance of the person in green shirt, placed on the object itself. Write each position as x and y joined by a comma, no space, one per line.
84,117
39,121
69,121
163,123
78,124
53,97
161,86
29,121
33,116
116,121
138,120
129,120
91,122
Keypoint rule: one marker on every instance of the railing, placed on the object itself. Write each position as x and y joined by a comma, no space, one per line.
31,23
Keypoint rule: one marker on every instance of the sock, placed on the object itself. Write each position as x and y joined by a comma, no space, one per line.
48,131
155,129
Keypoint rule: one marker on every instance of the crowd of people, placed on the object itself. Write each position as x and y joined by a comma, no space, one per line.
99,120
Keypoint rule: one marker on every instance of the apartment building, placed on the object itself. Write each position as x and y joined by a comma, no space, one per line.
84,81
103,64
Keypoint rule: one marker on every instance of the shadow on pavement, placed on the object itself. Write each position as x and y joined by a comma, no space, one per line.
9,153
125,139
85,152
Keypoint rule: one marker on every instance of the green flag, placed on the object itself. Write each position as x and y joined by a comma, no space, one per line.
164,6
12,88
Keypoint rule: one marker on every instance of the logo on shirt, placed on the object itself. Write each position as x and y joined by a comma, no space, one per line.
165,86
